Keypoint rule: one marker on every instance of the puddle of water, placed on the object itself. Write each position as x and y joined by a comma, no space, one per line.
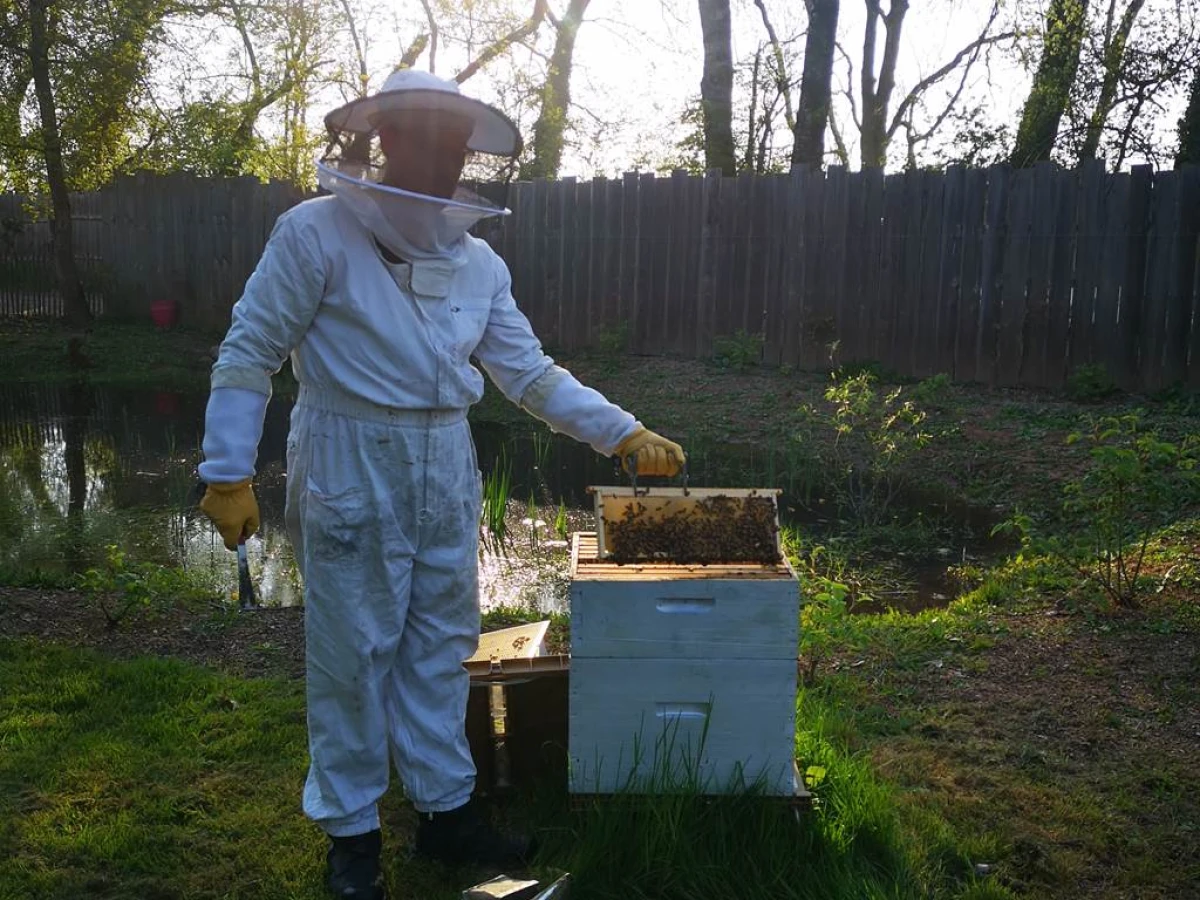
82,468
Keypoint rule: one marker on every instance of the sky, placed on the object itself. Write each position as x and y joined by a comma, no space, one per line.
639,62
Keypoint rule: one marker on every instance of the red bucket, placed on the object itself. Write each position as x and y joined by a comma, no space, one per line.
164,313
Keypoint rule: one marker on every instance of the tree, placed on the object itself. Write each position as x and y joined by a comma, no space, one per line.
1066,24
716,87
1189,126
501,44
94,61
84,62
556,97
877,90
879,123
69,282
1115,39
816,84
1135,63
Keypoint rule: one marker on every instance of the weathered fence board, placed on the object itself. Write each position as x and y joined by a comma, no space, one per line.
1012,277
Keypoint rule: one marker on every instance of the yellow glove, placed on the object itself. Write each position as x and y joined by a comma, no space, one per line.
655,455
233,509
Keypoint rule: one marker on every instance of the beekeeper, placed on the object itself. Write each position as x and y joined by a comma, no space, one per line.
381,299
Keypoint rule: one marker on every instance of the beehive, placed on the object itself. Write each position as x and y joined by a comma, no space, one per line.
682,673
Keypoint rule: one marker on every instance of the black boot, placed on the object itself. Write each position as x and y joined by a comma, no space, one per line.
353,867
464,837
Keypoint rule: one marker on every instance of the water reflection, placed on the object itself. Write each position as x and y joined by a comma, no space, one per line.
82,468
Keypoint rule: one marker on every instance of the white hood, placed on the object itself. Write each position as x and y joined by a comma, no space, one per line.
425,231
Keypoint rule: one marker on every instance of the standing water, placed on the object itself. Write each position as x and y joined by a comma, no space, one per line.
83,469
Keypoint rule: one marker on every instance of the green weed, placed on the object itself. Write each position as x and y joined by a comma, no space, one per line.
875,437
121,587
497,490
1090,383
1135,484
739,351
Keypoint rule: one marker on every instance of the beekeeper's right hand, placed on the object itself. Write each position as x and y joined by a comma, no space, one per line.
233,428
233,510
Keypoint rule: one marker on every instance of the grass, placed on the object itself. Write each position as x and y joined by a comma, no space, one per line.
1027,741
154,778
980,751
148,779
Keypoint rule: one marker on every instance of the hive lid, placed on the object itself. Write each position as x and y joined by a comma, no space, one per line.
685,525
518,642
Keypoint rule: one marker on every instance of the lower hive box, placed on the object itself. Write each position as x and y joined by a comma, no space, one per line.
683,672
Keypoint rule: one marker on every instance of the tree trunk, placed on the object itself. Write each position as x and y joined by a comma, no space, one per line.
556,98
1189,126
877,95
1066,23
751,127
1114,59
69,284
716,87
74,456
816,84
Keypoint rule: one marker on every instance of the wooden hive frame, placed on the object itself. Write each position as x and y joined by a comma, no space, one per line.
658,504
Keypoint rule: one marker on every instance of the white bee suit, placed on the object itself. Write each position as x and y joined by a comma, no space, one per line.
383,498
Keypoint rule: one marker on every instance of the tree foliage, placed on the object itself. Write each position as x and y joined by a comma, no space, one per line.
99,54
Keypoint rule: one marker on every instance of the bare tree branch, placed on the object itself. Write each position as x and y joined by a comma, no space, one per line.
528,27
780,68
911,139
954,98
748,162
839,144
849,91
433,36
240,24
413,53
972,48
363,77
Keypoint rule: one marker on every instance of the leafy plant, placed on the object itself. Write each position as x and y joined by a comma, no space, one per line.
1090,383
561,525
120,588
931,393
613,340
875,435
1136,484
543,443
822,619
739,351
497,488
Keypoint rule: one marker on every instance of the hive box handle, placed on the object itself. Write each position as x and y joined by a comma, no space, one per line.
686,604
682,710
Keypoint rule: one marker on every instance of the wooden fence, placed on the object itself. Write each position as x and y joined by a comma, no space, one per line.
1007,277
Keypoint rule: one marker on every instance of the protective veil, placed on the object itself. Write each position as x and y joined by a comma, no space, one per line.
383,499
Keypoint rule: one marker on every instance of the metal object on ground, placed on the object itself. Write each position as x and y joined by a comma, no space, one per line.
246,598
558,890
503,888
687,525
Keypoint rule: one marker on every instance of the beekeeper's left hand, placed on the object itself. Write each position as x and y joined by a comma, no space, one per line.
652,453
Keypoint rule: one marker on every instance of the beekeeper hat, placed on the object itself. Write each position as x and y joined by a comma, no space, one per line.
411,89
